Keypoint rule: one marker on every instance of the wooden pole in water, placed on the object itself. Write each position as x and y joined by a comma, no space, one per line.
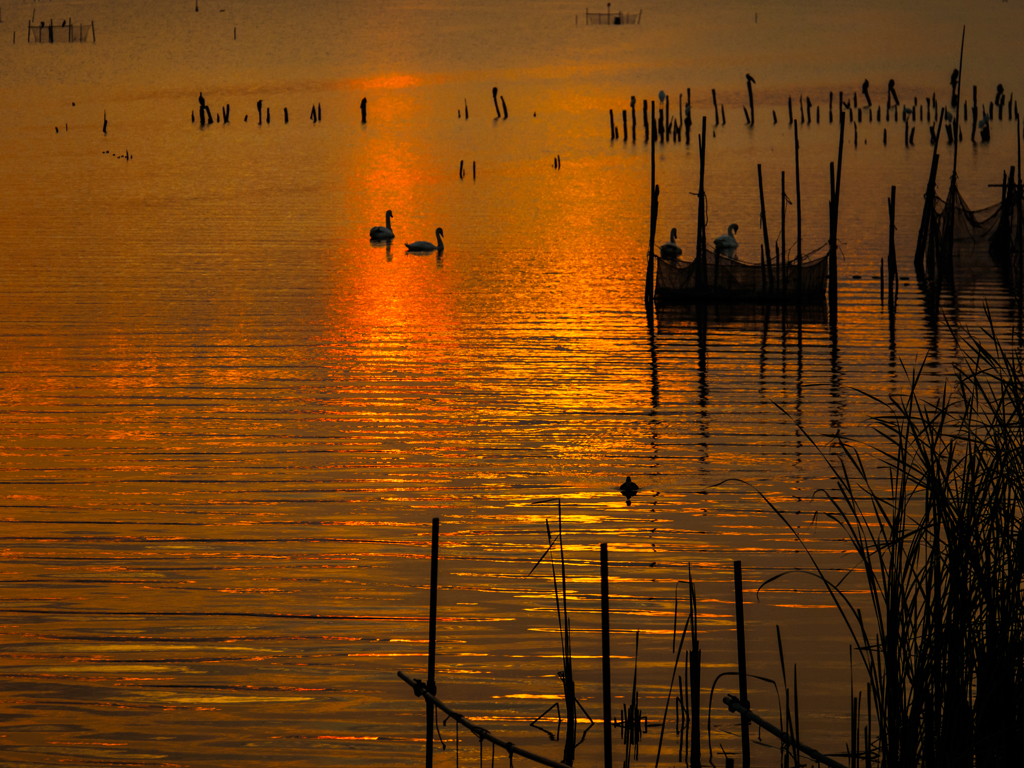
694,685
956,117
432,647
606,663
632,109
764,232
702,254
781,262
836,175
714,102
649,280
799,221
647,127
741,653
893,270
750,94
929,207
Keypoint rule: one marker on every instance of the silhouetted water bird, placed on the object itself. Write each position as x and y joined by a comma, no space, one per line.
629,488
383,233
726,244
670,250
423,246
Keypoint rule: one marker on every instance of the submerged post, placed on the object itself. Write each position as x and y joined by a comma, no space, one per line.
741,654
606,663
432,647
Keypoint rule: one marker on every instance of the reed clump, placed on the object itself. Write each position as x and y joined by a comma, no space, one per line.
934,518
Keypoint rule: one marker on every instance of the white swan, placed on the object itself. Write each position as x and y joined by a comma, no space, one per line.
383,233
726,244
670,250
423,246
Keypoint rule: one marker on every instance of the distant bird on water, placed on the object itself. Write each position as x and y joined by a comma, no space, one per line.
422,246
670,250
726,244
629,488
383,233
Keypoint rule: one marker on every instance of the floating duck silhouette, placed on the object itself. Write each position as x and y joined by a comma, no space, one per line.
629,489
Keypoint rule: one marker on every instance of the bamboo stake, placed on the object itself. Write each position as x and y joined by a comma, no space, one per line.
649,280
833,276
432,647
781,258
929,207
893,270
741,653
702,257
764,232
799,221
694,682
606,664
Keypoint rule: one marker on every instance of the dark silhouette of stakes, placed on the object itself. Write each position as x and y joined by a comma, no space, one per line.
259,111
362,108
750,94
504,108
494,95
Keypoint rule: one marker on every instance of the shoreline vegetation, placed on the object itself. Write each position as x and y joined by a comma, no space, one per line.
940,549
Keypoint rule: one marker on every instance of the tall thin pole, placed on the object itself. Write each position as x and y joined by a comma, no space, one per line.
833,259
649,281
892,268
568,681
701,255
741,653
606,660
783,272
764,231
432,648
956,117
694,685
799,221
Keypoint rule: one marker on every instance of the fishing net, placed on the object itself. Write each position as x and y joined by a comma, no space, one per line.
955,236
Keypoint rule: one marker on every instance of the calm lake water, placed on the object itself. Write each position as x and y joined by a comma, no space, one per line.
227,419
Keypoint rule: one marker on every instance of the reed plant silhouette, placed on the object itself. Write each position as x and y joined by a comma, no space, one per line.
934,519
